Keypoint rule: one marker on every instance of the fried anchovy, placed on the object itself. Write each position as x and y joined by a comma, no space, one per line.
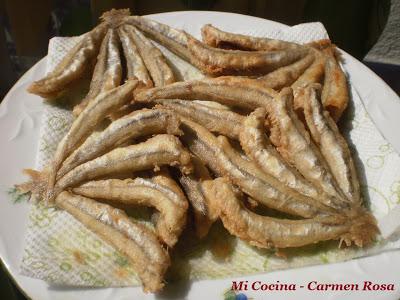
72,67
335,93
258,147
215,37
134,62
174,39
160,192
138,123
204,213
313,74
138,243
267,232
87,121
332,144
159,150
216,120
107,73
286,75
223,160
159,70
293,142
230,90
217,62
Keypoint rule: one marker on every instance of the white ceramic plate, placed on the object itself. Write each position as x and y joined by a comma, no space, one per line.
20,115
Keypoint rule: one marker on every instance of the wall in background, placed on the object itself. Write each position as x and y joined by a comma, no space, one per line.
387,48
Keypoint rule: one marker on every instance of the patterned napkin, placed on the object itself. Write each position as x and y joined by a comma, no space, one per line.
61,251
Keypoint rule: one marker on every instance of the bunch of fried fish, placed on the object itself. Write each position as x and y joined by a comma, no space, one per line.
262,135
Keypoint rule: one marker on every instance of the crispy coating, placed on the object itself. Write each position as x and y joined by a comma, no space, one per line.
217,62
332,144
335,92
215,37
86,122
162,149
223,160
155,62
114,18
204,213
134,62
36,185
265,188
72,67
132,239
174,39
125,110
294,144
320,44
138,123
160,192
212,104
258,147
285,76
107,73
216,120
267,232
233,91
313,74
